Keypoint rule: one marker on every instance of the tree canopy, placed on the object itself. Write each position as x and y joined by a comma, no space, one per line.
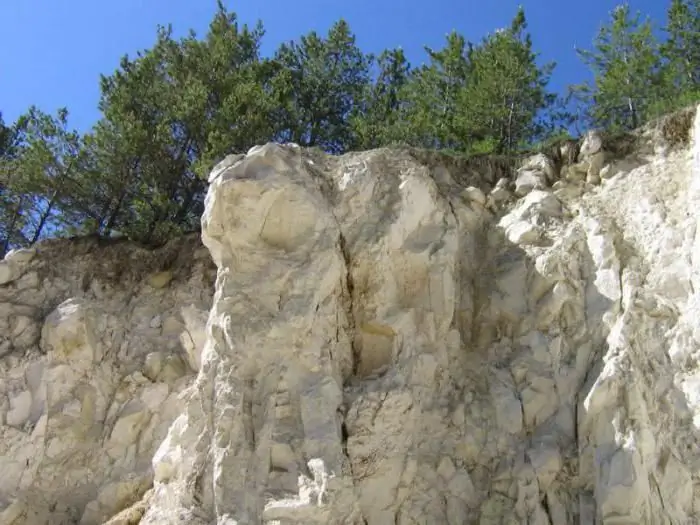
172,111
637,77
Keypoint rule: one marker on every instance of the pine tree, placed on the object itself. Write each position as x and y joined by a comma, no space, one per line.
40,175
169,115
379,120
434,96
507,92
682,54
6,137
627,67
12,201
320,83
481,98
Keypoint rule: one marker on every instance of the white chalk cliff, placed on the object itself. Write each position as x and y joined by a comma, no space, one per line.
385,337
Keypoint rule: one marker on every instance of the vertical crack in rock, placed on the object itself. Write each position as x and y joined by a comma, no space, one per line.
349,308
349,299
547,510
652,479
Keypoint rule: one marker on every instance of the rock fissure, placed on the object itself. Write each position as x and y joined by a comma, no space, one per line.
349,302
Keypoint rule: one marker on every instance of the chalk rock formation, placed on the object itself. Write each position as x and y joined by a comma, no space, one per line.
91,371
394,337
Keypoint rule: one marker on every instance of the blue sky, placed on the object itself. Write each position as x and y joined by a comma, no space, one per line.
52,52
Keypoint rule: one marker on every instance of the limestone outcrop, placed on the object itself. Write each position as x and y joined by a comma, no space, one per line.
391,338
91,372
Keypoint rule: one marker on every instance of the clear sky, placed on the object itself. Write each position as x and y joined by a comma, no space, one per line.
52,52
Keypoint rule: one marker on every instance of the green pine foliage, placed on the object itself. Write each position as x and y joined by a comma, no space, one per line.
39,176
637,77
508,94
380,117
320,84
626,65
681,53
172,111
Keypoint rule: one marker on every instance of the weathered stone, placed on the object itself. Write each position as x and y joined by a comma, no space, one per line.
593,179
381,348
618,166
160,279
575,172
20,256
153,365
542,164
222,166
475,194
20,407
194,336
78,430
607,172
595,165
8,272
592,144
499,195
529,180
12,266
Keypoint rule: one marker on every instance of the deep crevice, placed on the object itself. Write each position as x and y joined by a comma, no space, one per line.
547,509
344,435
349,302
349,307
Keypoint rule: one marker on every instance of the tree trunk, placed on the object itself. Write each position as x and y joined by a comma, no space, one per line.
111,221
509,129
633,112
44,218
10,230
52,202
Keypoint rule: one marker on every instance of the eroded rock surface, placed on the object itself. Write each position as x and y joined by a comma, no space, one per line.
391,340
91,373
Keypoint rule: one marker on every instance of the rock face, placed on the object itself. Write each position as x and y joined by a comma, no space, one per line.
91,371
390,340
